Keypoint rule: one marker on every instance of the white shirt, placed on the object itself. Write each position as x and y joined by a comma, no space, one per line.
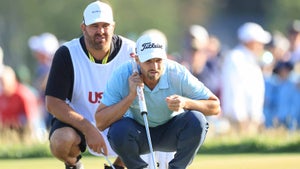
243,86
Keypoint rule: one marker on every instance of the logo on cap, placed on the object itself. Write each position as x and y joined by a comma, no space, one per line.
150,45
97,11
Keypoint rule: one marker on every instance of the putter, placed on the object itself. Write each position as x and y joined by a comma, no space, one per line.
101,154
143,110
108,161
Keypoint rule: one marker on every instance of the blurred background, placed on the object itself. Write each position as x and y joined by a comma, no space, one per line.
19,20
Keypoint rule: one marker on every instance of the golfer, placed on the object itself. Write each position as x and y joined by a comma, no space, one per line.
176,101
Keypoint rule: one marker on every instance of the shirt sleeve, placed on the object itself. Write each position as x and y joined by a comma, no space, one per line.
61,77
193,88
117,87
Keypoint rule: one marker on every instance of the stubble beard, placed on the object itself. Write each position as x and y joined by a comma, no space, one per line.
152,77
93,43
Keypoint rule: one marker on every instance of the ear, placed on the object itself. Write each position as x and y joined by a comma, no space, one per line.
113,24
82,26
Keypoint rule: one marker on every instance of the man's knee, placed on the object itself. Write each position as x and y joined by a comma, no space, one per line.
197,126
197,120
63,141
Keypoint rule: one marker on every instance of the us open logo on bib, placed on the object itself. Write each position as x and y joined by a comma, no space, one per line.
95,97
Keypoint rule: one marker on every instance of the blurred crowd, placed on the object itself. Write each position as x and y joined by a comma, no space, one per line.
22,106
257,81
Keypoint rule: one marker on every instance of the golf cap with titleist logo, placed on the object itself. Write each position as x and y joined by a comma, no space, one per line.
98,12
253,32
150,46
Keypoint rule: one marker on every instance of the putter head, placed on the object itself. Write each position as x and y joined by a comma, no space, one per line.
115,167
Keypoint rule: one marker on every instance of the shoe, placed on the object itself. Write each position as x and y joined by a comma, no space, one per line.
78,165
116,167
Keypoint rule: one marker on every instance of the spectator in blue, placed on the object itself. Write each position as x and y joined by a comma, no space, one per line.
282,93
276,51
295,112
269,102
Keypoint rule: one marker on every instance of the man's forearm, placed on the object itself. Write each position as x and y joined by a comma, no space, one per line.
106,115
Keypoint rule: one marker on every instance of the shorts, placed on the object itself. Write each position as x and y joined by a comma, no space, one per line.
56,124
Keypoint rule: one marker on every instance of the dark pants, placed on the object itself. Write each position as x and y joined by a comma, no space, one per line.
184,134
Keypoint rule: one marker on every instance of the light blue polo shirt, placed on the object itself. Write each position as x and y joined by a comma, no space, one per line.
176,79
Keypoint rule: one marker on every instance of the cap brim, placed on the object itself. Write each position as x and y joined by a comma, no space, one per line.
98,21
146,57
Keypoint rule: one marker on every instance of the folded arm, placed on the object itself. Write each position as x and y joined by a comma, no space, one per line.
208,107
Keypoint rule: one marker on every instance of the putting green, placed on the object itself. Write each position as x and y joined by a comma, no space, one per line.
236,161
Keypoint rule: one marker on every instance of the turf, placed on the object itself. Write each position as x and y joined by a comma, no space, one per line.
232,161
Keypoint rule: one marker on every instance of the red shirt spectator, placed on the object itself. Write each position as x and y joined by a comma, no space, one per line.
18,104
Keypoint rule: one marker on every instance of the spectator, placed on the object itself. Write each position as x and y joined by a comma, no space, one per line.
202,57
283,93
295,112
194,56
242,79
43,48
294,38
276,50
18,105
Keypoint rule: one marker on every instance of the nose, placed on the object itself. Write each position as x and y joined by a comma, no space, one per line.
154,65
101,29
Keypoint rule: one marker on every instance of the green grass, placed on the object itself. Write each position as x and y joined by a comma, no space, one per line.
232,161
267,141
276,149
277,141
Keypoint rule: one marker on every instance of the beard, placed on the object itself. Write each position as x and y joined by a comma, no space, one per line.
152,77
92,41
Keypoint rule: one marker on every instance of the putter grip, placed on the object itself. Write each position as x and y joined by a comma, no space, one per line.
140,92
142,103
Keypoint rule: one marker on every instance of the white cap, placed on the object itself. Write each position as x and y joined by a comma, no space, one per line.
45,43
97,12
280,41
151,45
199,33
253,32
